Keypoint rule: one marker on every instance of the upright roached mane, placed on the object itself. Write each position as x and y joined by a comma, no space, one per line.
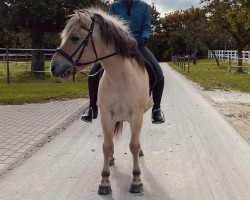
113,30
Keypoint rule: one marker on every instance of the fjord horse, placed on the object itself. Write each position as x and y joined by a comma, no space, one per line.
92,36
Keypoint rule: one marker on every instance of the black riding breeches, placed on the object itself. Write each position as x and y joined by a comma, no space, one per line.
157,90
147,54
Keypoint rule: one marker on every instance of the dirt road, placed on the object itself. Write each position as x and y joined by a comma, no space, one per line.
195,155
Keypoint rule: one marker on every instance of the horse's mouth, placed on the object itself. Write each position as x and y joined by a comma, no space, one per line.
63,72
67,73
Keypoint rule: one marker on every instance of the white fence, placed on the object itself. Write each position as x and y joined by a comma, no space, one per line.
232,54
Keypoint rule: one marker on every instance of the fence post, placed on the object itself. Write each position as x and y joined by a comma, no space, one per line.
184,62
229,64
248,63
8,67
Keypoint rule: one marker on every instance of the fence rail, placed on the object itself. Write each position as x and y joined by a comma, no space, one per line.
233,54
22,55
8,56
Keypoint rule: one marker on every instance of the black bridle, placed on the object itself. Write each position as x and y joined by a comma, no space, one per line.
81,48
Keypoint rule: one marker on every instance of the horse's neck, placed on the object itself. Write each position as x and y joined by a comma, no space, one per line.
116,67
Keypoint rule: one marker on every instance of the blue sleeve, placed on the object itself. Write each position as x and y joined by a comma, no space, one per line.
146,32
111,9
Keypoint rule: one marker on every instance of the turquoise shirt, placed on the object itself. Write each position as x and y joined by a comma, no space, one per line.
140,19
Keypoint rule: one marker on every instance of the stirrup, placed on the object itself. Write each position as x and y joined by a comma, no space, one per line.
162,114
88,118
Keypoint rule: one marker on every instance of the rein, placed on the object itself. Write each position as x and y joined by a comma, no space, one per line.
81,48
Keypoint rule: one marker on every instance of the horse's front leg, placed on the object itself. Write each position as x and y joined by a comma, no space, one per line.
135,147
108,150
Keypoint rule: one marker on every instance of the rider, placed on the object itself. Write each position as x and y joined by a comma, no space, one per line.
137,14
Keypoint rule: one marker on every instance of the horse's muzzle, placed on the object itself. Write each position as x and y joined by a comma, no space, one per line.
60,71
53,69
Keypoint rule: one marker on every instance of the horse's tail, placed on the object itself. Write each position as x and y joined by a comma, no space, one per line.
118,128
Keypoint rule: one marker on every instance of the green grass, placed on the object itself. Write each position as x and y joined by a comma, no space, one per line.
210,76
24,87
27,88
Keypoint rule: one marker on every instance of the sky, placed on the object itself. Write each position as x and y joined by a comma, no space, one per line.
168,6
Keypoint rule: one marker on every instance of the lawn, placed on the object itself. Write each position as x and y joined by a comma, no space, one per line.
210,76
27,88
24,87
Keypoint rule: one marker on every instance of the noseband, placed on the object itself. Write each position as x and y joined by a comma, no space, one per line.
81,48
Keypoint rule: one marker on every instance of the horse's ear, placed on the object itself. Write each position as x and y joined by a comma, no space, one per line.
82,16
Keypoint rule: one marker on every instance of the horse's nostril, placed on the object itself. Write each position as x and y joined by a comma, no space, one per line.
53,69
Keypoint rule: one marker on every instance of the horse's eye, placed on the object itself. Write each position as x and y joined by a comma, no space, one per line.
74,38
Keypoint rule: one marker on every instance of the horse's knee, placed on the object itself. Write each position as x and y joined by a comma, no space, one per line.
108,148
135,148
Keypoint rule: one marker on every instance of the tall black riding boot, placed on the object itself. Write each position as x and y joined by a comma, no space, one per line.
93,83
157,114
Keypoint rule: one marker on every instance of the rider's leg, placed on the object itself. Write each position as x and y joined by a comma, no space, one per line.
93,83
157,115
157,91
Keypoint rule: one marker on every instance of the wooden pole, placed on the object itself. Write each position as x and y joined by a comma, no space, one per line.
184,62
8,67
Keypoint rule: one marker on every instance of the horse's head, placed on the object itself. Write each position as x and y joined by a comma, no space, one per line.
77,48
90,36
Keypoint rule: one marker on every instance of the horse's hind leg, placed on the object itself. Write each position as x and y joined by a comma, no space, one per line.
135,147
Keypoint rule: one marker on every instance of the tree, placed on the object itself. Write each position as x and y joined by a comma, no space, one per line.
233,17
193,29
40,17
157,41
216,39
171,26
186,29
3,23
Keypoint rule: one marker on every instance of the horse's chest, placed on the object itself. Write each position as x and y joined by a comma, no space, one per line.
121,111
118,105
121,100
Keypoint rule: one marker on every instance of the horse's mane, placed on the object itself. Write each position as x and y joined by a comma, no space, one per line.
113,30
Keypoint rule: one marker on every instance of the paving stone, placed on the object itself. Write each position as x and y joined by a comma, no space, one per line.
22,127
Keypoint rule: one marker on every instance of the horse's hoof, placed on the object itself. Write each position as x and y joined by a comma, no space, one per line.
111,162
136,188
141,153
104,190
